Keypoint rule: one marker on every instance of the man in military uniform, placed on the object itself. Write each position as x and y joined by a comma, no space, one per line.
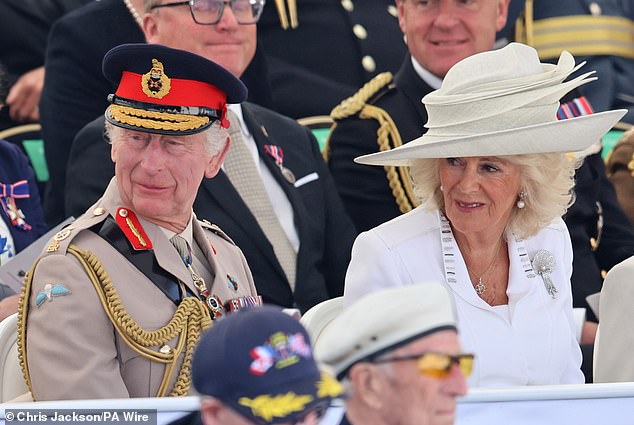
274,195
388,111
115,305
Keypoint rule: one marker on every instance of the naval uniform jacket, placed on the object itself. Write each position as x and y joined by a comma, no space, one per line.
73,350
530,341
323,227
336,48
365,190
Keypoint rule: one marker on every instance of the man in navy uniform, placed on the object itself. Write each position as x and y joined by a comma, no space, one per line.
388,110
115,305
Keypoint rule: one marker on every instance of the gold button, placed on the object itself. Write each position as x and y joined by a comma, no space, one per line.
348,5
392,10
99,211
360,32
123,212
595,9
368,63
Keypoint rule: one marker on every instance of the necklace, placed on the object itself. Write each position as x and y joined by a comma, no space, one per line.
134,13
481,286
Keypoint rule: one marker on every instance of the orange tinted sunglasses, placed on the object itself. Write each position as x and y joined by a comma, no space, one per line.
437,365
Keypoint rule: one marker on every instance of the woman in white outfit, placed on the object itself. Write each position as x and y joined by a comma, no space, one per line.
494,178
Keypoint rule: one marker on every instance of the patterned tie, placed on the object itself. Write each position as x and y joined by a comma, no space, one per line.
241,170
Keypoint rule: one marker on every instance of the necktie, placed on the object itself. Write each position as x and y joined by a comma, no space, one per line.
185,252
213,303
243,174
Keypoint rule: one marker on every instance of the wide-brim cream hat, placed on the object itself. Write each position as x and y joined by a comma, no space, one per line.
502,102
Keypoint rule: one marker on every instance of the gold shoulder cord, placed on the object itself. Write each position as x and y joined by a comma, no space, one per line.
189,320
398,177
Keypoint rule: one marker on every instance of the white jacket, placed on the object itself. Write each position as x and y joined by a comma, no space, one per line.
530,341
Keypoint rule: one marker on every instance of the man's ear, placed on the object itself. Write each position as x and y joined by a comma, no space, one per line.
369,384
502,14
150,28
113,151
215,162
209,408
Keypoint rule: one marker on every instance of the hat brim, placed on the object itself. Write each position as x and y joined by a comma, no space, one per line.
569,135
288,405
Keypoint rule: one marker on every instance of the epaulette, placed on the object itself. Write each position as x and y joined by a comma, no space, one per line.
206,224
355,103
61,241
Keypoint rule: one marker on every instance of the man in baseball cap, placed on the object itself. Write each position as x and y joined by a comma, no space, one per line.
256,366
400,352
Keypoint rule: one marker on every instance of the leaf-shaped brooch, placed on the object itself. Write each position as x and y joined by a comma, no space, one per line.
543,263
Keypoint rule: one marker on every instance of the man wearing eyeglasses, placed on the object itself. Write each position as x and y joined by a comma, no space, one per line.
400,353
287,219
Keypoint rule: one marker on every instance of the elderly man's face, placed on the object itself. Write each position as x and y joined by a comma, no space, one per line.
159,175
415,399
227,43
440,33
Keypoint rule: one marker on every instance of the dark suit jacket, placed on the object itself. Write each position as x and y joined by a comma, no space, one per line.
325,231
14,166
319,63
364,189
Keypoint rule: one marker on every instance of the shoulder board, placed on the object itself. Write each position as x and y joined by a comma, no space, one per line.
59,243
357,101
205,224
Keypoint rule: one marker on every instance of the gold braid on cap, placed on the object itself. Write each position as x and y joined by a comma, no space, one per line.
388,136
156,120
187,323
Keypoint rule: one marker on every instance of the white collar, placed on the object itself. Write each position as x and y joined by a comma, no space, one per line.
433,81
236,108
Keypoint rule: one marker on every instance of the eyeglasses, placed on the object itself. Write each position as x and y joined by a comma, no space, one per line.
437,365
209,12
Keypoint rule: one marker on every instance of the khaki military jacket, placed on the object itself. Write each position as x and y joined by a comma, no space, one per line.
94,326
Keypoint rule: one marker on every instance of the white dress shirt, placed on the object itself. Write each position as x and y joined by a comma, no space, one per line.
530,341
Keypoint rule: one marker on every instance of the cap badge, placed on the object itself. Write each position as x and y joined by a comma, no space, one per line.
155,83
281,350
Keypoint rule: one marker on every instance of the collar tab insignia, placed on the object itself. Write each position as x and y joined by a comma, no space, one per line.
132,229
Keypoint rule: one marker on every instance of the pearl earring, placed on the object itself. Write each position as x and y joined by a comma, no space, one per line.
442,189
520,202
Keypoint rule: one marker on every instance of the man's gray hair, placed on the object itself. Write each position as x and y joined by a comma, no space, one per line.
216,137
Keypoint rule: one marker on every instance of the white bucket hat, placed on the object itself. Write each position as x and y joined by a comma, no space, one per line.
501,102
